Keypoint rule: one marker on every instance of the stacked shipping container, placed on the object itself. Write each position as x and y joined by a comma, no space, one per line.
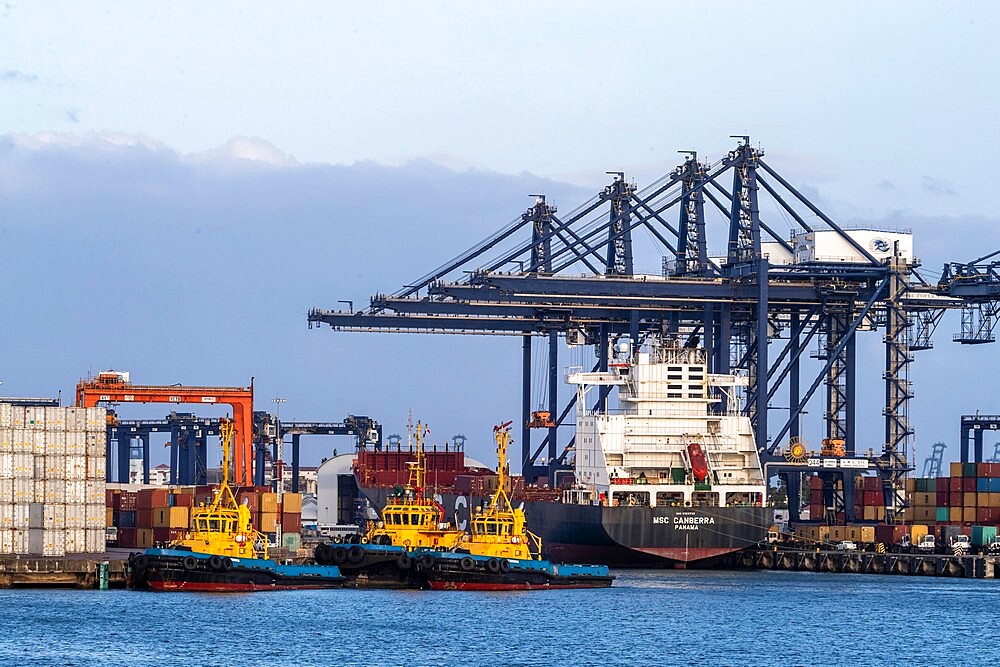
159,515
52,480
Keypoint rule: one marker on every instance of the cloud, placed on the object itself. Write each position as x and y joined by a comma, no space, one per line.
73,114
17,76
886,185
936,186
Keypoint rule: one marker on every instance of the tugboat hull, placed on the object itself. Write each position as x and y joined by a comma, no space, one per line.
179,570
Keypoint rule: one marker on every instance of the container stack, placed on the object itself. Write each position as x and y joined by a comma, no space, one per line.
158,515
968,498
52,480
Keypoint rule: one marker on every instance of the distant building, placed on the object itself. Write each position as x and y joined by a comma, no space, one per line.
158,476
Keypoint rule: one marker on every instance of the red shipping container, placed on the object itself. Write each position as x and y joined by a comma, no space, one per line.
251,499
872,484
291,523
109,497
144,518
954,484
167,534
941,484
968,484
183,500
151,498
890,534
873,498
983,470
815,483
943,498
126,538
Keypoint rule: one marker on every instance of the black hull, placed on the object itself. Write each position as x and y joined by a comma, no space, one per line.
638,536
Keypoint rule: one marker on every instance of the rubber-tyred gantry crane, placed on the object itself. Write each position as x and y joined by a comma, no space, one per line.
114,387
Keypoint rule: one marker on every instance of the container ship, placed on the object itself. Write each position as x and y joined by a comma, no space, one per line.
670,477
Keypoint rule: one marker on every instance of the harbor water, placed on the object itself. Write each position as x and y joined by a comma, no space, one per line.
647,618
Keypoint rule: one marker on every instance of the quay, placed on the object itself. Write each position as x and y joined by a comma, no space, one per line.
864,562
81,573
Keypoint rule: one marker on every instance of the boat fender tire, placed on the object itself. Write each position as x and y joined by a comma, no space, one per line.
427,562
493,565
339,555
190,562
355,539
323,554
337,539
355,554
215,562
403,561
504,566
140,562
227,564
386,540
467,564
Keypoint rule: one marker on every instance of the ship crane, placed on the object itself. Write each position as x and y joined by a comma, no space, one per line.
549,274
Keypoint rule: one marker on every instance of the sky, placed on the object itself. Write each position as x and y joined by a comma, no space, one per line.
181,182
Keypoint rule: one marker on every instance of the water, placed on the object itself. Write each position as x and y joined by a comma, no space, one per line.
647,618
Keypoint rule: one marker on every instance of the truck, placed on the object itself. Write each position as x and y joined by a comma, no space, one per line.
960,545
926,545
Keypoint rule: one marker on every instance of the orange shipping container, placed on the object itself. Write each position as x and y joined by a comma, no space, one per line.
267,522
143,538
956,469
292,502
969,515
291,523
955,514
268,503
969,499
170,517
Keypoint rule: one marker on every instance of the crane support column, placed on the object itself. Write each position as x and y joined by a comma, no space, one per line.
124,440
145,458
295,462
529,475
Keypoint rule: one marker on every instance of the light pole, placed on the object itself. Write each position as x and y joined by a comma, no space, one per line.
277,472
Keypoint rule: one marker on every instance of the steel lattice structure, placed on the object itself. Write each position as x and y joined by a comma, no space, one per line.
753,310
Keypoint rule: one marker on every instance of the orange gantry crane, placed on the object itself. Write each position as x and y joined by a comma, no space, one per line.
114,387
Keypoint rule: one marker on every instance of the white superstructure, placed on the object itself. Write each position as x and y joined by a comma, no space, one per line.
669,409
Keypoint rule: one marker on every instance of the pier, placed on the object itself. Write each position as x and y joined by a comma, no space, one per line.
82,573
864,562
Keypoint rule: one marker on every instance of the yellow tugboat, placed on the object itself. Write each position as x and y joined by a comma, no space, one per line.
222,551
414,546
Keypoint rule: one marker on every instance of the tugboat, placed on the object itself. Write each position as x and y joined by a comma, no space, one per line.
222,552
413,545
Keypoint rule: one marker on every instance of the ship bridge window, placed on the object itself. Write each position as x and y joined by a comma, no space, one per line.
705,499
406,519
670,499
202,525
213,525
415,519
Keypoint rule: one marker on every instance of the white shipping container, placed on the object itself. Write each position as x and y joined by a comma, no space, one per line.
6,540
22,440
76,443
38,495
96,540
6,490
97,419
6,415
39,467
34,418
76,516
24,465
97,516
76,540
76,492
22,515
21,541
96,492
6,439
6,516
6,465
54,517
54,542
55,419
97,444
55,491
55,467
38,443
17,416
96,468
76,468
23,490
55,443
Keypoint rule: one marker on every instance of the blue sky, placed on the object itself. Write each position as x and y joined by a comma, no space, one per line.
180,182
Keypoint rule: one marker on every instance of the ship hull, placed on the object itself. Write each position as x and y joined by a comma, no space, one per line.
175,570
638,536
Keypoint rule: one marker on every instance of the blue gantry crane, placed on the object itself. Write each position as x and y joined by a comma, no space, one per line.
756,307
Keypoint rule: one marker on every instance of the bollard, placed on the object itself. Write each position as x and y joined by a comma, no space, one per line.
102,575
